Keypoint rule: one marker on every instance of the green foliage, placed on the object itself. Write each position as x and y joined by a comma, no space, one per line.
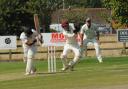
44,8
84,3
17,13
13,15
76,3
95,3
76,15
119,9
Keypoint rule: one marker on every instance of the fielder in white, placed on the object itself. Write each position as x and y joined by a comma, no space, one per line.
71,44
29,39
89,33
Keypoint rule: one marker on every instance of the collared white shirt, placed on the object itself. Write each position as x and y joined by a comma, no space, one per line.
70,36
30,39
89,33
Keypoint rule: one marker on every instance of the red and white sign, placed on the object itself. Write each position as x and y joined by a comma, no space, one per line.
54,39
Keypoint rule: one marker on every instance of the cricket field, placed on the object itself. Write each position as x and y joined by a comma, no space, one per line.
88,74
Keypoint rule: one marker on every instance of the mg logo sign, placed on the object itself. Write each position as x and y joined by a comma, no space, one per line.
57,37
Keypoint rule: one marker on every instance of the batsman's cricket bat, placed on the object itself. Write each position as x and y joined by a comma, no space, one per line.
36,22
37,26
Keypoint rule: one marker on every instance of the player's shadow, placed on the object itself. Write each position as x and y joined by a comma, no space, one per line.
51,73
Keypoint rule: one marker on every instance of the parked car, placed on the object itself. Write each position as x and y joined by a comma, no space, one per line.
104,30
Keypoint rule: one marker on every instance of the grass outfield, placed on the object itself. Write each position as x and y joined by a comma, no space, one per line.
88,74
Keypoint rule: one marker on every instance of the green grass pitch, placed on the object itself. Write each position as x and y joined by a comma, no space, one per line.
88,74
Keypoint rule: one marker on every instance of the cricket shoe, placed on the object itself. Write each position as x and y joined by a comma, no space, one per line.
65,68
33,71
27,73
100,61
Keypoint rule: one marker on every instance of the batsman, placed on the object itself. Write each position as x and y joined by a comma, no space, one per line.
30,37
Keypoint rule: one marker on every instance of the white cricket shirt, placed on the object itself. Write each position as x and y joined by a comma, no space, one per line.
30,39
89,33
70,36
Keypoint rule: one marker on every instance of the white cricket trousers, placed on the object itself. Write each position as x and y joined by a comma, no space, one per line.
29,54
76,50
96,45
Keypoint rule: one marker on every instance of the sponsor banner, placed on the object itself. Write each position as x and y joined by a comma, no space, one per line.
8,42
54,39
122,35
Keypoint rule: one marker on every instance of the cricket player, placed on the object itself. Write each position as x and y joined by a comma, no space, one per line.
89,33
29,39
71,44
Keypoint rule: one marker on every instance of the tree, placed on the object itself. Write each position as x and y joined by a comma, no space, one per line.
94,3
84,3
76,3
17,13
119,10
13,15
44,8
75,15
